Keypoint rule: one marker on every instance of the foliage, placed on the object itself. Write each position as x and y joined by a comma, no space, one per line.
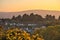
49,33
18,34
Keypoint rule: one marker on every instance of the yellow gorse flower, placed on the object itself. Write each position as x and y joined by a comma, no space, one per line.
19,34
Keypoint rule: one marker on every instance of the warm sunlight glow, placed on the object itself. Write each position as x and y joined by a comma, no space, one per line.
21,5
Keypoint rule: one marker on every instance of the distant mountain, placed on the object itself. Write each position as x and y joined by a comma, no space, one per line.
40,12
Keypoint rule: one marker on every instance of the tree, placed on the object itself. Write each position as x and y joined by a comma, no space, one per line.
49,17
38,18
53,17
49,33
13,18
18,18
25,17
32,17
59,18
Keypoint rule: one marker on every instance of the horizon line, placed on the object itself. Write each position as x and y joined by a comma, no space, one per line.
31,10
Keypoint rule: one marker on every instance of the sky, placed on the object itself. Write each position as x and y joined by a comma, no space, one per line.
21,5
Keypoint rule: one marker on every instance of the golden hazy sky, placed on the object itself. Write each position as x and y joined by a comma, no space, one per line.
21,5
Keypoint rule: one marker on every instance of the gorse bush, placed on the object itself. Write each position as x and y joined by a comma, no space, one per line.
18,34
49,33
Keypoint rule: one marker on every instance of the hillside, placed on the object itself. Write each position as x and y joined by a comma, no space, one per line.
40,12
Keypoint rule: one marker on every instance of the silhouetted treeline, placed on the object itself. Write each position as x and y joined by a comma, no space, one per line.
33,18
28,18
